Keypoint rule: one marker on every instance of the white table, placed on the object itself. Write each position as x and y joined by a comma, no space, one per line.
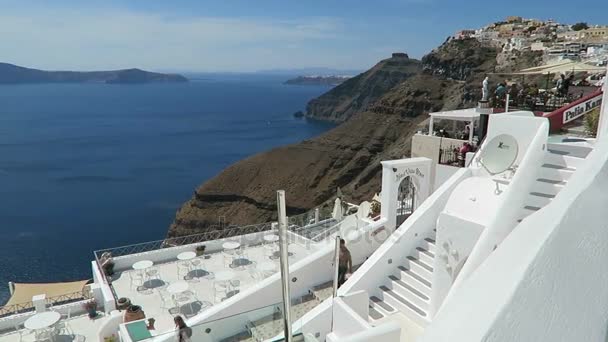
186,256
271,238
224,275
178,287
42,320
231,245
142,265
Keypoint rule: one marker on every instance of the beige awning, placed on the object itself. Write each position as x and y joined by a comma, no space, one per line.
25,291
562,67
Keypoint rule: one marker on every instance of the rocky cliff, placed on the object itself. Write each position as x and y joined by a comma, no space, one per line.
358,93
379,110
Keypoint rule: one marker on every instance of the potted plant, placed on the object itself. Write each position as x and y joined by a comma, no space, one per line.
111,338
134,313
123,303
91,307
200,250
375,209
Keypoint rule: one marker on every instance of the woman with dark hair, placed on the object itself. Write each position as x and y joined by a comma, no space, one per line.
184,332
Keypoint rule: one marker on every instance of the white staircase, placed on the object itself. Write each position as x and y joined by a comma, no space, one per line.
559,165
408,289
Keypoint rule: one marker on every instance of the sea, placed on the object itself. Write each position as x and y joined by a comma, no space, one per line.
91,166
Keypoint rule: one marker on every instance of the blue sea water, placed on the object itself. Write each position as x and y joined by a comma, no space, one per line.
90,166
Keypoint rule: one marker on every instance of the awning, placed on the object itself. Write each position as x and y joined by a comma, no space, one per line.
469,114
562,67
25,291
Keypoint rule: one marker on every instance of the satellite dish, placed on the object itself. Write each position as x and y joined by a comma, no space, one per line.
499,154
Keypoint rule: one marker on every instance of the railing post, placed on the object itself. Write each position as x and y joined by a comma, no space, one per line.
284,253
316,215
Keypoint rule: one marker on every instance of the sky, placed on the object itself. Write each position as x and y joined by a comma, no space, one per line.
248,35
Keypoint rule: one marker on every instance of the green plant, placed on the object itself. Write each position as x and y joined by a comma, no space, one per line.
591,122
579,26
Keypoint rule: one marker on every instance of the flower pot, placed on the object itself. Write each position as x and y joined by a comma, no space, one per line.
123,303
92,312
133,313
200,250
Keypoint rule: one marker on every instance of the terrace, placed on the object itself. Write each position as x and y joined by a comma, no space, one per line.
174,279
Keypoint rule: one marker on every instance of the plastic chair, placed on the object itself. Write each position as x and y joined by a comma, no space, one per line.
219,289
153,273
44,335
165,302
21,331
197,263
137,279
183,268
63,326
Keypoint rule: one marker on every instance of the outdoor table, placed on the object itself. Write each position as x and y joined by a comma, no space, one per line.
231,245
186,256
224,275
142,265
43,320
178,287
271,238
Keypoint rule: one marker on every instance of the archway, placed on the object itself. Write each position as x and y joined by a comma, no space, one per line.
406,197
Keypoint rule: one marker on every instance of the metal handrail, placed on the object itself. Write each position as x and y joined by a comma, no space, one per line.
16,309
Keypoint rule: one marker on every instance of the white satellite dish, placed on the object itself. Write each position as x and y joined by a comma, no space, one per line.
499,154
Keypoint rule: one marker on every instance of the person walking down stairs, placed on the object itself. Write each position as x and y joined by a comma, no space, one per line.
345,263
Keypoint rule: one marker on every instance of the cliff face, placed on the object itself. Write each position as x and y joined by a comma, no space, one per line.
380,110
12,74
359,92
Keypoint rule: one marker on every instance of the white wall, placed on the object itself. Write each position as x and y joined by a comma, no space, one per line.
403,241
531,134
547,280
443,173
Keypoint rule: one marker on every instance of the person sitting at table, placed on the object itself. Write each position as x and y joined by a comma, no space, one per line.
107,263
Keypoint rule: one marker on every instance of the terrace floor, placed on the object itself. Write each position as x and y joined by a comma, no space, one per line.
157,302
84,328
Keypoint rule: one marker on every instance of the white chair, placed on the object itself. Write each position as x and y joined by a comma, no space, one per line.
269,249
153,273
63,326
21,331
137,279
228,259
183,270
255,274
219,289
197,263
235,285
44,335
185,298
165,302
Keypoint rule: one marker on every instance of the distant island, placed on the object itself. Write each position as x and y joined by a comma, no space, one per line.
13,74
317,80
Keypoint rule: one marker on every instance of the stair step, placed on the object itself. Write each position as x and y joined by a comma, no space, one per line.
429,245
548,188
425,256
407,273
374,314
558,167
419,267
380,305
569,150
563,160
409,292
537,200
403,305
555,175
